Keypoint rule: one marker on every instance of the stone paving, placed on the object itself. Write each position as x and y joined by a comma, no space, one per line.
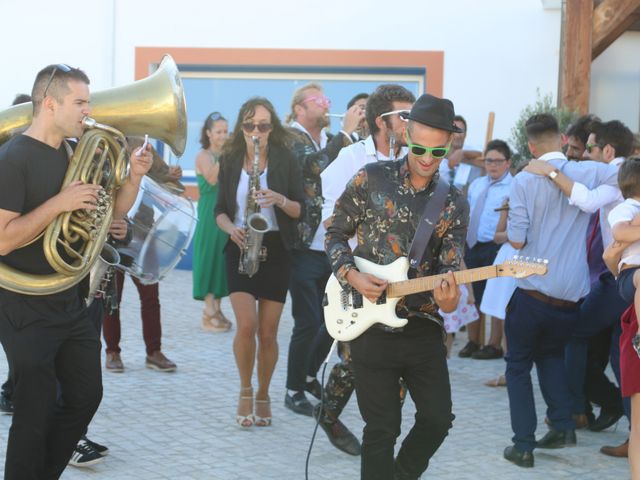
181,425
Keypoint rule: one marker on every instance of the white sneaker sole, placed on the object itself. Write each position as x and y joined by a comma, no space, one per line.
90,463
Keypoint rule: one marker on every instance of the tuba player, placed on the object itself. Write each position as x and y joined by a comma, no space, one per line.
49,337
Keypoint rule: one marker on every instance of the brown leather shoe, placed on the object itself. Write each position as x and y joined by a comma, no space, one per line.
621,451
581,421
114,363
157,361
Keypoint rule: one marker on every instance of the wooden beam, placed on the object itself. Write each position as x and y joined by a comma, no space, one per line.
575,55
611,18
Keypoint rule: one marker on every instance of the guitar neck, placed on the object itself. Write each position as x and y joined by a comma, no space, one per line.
424,284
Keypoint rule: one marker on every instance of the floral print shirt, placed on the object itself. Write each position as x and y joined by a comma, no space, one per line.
382,208
312,163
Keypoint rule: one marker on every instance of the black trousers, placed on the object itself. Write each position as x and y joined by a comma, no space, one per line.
481,255
418,355
47,341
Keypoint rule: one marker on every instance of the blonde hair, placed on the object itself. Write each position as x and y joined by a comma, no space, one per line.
298,98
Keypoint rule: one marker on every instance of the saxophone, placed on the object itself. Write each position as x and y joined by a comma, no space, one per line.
255,223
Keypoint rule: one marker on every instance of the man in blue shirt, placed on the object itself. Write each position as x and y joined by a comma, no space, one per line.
544,310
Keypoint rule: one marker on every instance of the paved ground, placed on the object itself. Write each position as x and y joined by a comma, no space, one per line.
181,425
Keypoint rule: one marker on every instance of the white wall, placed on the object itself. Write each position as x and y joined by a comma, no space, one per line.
497,52
615,81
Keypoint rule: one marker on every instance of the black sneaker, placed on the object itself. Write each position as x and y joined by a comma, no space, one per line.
314,388
85,456
6,405
101,449
298,403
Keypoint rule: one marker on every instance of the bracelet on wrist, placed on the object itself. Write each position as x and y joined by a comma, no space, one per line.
284,202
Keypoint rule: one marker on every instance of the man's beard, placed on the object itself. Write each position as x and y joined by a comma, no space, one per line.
322,122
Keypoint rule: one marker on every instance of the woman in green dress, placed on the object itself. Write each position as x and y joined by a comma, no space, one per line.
209,279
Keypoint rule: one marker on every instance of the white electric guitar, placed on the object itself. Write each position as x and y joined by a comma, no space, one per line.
347,314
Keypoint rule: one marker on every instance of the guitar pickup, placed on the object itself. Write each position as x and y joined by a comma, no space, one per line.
325,300
356,299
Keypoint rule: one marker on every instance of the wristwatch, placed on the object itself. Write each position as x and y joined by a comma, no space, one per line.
553,174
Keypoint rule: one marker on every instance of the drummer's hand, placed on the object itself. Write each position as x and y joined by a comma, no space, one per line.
175,172
139,165
118,229
237,236
268,198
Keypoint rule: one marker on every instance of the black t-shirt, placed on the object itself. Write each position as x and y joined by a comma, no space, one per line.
31,172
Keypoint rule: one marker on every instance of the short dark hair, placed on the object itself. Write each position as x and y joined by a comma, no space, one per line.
629,177
235,146
21,98
54,79
460,118
357,97
500,146
616,134
381,101
582,127
541,124
212,118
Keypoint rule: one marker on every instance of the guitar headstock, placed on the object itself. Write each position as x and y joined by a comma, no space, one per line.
521,267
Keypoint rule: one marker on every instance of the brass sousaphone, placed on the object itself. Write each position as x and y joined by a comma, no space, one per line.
154,106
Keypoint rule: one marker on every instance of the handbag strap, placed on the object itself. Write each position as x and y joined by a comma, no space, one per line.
427,223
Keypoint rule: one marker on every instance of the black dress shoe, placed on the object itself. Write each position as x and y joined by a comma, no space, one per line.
605,420
521,459
558,439
298,403
488,352
468,349
314,388
339,435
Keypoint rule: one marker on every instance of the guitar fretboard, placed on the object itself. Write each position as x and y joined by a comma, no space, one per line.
424,284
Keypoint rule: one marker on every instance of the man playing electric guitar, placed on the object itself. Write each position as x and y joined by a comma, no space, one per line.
384,204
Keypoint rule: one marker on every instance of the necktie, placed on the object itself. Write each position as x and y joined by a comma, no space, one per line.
593,233
474,221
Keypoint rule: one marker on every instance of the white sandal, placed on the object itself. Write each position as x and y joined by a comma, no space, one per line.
262,421
245,421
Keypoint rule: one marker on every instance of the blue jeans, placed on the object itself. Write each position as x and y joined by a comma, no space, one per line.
310,271
537,333
601,309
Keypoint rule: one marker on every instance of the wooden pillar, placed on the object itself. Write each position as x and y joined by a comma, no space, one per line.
575,55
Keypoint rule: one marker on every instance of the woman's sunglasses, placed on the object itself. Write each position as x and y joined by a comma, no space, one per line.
421,151
249,127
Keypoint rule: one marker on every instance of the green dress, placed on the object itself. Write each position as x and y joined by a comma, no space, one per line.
208,243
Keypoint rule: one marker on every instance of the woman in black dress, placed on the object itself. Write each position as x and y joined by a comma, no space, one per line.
258,300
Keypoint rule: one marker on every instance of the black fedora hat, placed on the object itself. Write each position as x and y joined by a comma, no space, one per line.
434,112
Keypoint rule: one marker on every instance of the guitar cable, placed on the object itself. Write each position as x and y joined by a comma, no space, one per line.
315,430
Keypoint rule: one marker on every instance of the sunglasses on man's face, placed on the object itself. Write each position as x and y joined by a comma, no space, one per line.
421,151
401,113
249,127
592,146
319,100
60,67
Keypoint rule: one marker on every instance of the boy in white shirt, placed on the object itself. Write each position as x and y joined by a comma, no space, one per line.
624,220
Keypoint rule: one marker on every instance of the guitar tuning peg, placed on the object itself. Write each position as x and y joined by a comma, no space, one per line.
515,257
527,259
545,261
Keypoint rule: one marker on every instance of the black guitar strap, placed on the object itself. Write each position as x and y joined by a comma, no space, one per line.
427,223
